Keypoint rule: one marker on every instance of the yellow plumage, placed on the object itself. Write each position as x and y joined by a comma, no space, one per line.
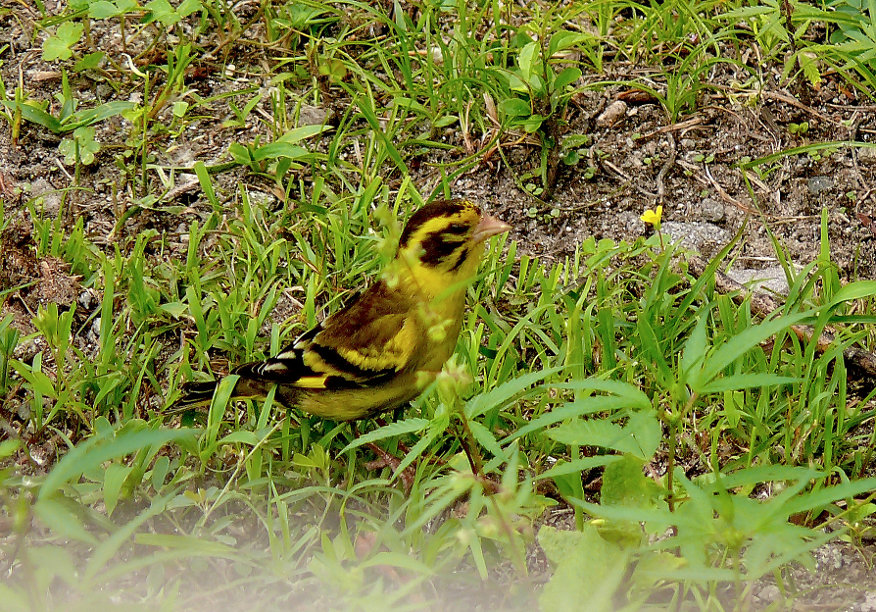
381,350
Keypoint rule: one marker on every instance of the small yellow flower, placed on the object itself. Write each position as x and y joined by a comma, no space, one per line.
652,217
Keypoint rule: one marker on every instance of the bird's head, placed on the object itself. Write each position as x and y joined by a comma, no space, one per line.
442,244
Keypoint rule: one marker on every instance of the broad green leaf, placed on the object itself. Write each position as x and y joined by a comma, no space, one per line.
8,447
853,291
600,433
207,185
240,153
695,348
634,396
91,116
109,547
527,60
98,449
62,517
515,107
738,345
174,309
485,438
278,149
646,433
564,39
59,46
569,484
187,7
90,61
571,410
113,479
809,66
398,428
499,396
34,114
159,472
576,466
304,132
102,9
192,545
812,500
746,381
655,520
242,436
587,569
624,484
566,78
40,383
216,412
161,10
532,123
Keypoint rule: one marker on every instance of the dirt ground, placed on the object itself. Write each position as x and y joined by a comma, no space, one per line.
637,159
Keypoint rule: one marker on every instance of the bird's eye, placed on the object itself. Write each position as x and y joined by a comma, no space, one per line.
457,228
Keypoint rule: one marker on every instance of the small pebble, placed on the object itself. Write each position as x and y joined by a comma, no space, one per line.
769,593
612,114
817,184
710,209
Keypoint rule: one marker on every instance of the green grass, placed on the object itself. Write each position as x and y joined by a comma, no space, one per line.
613,362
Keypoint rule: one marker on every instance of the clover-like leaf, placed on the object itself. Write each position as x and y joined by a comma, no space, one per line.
60,45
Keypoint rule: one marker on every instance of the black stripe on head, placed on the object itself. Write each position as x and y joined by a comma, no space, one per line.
463,255
457,229
439,247
440,208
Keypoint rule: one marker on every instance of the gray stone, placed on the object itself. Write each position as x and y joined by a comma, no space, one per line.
696,235
767,280
709,209
817,184
769,593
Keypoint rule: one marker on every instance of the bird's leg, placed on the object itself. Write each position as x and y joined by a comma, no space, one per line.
470,447
387,459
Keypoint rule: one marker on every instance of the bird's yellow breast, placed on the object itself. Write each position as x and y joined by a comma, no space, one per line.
351,404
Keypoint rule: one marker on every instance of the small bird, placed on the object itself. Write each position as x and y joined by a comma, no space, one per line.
382,349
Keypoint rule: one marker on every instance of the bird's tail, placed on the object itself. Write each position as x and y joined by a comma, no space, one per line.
194,395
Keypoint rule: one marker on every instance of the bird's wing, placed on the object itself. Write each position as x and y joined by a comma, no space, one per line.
366,343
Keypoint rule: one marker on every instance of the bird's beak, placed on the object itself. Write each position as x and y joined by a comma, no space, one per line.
489,226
